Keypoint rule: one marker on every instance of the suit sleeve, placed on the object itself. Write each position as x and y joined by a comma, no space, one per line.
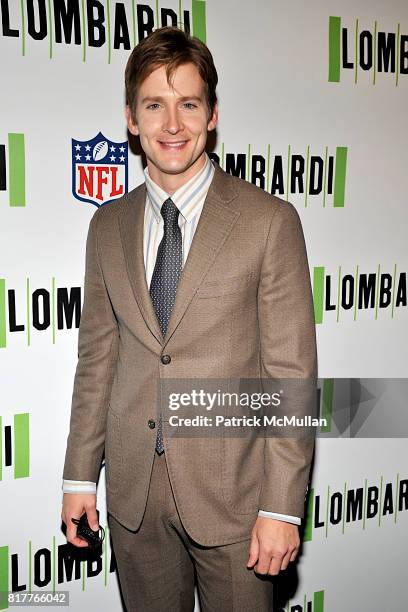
288,351
98,339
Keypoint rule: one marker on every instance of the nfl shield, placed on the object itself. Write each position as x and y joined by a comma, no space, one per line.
99,170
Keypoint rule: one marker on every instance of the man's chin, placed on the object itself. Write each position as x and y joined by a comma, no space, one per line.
174,167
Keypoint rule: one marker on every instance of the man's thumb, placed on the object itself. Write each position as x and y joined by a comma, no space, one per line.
93,520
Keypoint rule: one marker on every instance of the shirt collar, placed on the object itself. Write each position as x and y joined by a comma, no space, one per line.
187,198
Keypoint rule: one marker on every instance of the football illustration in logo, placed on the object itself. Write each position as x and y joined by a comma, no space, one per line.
100,150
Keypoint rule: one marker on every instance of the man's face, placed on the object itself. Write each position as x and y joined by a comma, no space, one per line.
172,122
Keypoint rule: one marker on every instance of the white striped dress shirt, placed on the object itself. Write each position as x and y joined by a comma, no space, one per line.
189,199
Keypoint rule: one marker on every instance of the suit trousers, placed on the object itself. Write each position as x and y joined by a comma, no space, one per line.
159,564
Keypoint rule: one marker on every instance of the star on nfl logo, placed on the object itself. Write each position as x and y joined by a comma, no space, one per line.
99,170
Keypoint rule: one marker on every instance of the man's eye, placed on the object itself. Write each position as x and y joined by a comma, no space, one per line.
155,104
190,105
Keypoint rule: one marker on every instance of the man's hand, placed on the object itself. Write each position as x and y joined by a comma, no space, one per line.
273,544
73,506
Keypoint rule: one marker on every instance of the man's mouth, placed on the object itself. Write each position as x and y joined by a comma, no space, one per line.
172,145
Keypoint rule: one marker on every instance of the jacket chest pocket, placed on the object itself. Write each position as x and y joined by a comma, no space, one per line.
227,286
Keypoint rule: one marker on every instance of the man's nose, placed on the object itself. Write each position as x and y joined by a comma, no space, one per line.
172,122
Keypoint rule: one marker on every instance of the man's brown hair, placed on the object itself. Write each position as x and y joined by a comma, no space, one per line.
169,47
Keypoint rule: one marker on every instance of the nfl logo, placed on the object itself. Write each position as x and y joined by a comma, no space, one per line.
99,170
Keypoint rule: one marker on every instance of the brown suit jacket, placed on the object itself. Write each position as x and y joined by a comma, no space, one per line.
243,308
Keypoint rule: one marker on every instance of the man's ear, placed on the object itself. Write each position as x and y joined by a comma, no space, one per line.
213,119
132,127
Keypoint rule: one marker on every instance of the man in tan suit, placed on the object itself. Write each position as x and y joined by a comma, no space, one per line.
193,274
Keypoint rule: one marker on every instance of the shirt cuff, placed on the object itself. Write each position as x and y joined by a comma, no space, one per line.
280,517
78,486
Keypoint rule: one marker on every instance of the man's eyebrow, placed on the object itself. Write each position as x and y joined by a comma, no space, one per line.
161,99
196,98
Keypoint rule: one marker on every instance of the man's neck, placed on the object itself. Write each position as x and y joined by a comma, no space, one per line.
171,182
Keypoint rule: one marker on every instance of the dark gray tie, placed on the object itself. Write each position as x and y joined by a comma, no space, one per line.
166,274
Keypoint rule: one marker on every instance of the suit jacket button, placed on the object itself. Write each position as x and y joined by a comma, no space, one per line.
165,359
151,423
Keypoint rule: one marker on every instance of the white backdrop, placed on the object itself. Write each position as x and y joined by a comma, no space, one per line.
276,101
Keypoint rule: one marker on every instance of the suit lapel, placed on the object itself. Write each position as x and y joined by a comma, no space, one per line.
214,226
131,223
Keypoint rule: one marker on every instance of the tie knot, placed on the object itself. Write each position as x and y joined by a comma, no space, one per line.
169,212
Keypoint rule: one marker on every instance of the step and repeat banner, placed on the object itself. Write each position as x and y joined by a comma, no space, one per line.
313,108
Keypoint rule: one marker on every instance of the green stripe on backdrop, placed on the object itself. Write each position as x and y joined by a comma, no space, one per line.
375,52
394,276
288,175
365,502
396,499
134,23
326,531
84,40
338,295
268,168
22,28
16,148
334,49
109,31
318,601
377,292
53,563
340,177
355,294
21,445
325,177
4,576
53,308
307,173
199,19
180,15
356,53
327,404
308,532
3,339
28,311
343,523
30,566
105,555
398,55
50,29
318,293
